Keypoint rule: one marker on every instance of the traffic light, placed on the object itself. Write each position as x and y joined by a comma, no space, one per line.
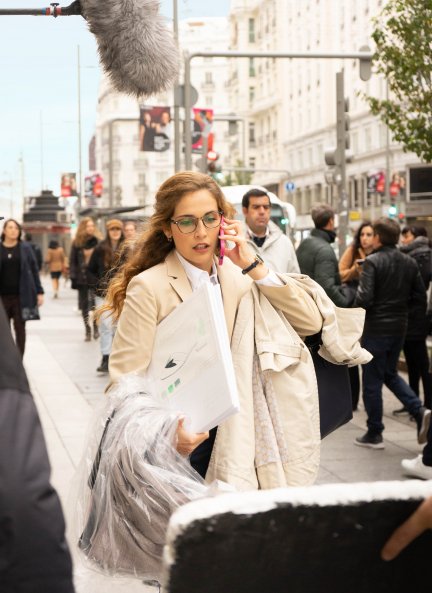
392,211
342,126
336,155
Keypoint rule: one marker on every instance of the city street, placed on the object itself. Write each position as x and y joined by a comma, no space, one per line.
62,371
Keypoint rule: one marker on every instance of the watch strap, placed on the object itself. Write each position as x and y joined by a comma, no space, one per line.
253,265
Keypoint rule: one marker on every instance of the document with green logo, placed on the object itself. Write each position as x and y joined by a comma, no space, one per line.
192,362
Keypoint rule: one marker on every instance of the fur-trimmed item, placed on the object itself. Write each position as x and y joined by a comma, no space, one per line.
136,48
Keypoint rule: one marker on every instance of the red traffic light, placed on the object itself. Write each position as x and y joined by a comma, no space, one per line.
212,155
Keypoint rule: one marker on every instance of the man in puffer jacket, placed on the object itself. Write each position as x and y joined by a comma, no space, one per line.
264,236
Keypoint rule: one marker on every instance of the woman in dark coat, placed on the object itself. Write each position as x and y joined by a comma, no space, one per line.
20,286
103,264
81,252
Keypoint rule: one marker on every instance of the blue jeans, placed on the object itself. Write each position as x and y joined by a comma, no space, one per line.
106,328
382,370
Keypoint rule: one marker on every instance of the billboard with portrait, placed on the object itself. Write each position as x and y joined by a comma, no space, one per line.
68,185
93,187
202,125
155,129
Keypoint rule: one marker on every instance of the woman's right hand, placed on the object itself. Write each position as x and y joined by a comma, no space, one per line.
187,442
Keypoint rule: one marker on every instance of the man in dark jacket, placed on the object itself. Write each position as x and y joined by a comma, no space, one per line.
33,552
316,257
390,284
415,243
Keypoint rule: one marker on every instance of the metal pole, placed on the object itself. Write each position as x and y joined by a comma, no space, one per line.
387,157
204,150
22,175
80,184
53,10
41,148
187,119
111,176
363,56
341,135
176,98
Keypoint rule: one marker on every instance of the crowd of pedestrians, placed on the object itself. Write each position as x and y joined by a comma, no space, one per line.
128,283
390,282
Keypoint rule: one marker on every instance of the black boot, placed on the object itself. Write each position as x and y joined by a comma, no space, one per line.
87,333
103,367
95,331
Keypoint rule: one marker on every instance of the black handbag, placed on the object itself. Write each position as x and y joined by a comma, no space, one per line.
334,389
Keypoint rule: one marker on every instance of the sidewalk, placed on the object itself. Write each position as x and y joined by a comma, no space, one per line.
62,371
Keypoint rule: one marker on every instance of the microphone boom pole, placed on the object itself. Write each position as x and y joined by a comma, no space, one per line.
53,10
135,47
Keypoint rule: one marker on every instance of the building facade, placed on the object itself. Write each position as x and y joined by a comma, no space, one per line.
290,105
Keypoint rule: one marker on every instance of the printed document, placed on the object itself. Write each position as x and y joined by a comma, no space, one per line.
192,362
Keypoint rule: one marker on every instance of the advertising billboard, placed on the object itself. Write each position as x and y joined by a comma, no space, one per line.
155,129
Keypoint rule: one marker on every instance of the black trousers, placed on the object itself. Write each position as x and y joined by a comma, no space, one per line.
12,306
354,377
86,302
417,360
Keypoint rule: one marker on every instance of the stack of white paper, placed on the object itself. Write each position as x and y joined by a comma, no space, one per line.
192,362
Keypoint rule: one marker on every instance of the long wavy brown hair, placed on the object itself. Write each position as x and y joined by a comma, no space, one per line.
81,234
153,246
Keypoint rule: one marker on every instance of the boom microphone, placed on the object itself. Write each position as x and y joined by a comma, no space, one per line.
136,49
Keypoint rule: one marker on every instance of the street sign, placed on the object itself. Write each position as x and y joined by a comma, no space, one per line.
290,186
179,95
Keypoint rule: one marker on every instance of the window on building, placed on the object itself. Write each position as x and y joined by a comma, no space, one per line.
252,161
251,95
368,138
251,30
252,138
252,72
209,100
209,77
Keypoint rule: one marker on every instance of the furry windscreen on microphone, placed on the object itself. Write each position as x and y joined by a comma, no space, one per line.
136,48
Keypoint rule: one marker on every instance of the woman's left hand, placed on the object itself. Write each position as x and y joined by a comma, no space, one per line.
40,300
242,255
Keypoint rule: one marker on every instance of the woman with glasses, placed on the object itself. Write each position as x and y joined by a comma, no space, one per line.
177,254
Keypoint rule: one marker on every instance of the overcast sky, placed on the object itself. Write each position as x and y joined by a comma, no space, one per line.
38,81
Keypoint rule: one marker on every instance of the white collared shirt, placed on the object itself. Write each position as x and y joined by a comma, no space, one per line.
199,277
196,276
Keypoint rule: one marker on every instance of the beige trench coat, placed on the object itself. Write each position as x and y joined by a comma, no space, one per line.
277,317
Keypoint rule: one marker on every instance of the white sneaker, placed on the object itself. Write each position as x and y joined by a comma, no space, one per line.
416,468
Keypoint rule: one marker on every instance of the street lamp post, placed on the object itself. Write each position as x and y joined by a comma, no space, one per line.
80,184
364,56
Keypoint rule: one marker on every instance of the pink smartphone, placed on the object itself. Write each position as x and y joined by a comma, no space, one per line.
221,246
